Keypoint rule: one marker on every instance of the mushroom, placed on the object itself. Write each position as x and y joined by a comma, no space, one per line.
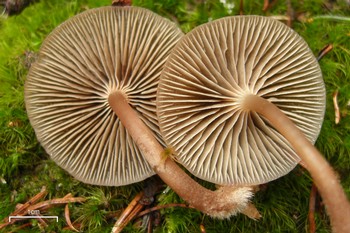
240,99
90,98
81,63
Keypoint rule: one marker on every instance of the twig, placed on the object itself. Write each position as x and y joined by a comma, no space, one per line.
324,51
23,208
42,222
336,107
159,207
330,17
312,207
145,198
289,13
279,17
67,214
121,3
268,5
129,213
241,7
58,201
67,217
113,214
26,208
149,225
75,225
69,195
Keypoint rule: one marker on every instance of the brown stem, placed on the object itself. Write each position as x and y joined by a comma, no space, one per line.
222,203
312,207
322,173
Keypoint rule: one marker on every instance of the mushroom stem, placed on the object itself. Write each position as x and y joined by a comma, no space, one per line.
222,203
322,173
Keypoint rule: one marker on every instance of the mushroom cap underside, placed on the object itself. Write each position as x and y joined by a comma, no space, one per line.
203,85
66,92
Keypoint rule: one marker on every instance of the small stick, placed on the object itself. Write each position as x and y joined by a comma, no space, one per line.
121,3
150,225
312,204
69,195
67,217
159,207
330,17
241,12
42,222
131,216
324,51
279,17
289,14
129,213
9,223
268,5
22,210
336,107
5,225
75,225
114,214
47,204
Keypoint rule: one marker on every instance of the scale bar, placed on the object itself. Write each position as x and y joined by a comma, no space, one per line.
29,217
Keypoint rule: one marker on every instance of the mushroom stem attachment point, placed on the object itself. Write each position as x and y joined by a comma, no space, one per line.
322,173
222,203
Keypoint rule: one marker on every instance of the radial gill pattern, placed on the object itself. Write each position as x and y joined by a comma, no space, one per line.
79,65
205,80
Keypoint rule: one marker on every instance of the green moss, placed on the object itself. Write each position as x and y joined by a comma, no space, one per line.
283,203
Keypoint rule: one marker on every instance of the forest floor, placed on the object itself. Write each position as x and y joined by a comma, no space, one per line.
25,168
